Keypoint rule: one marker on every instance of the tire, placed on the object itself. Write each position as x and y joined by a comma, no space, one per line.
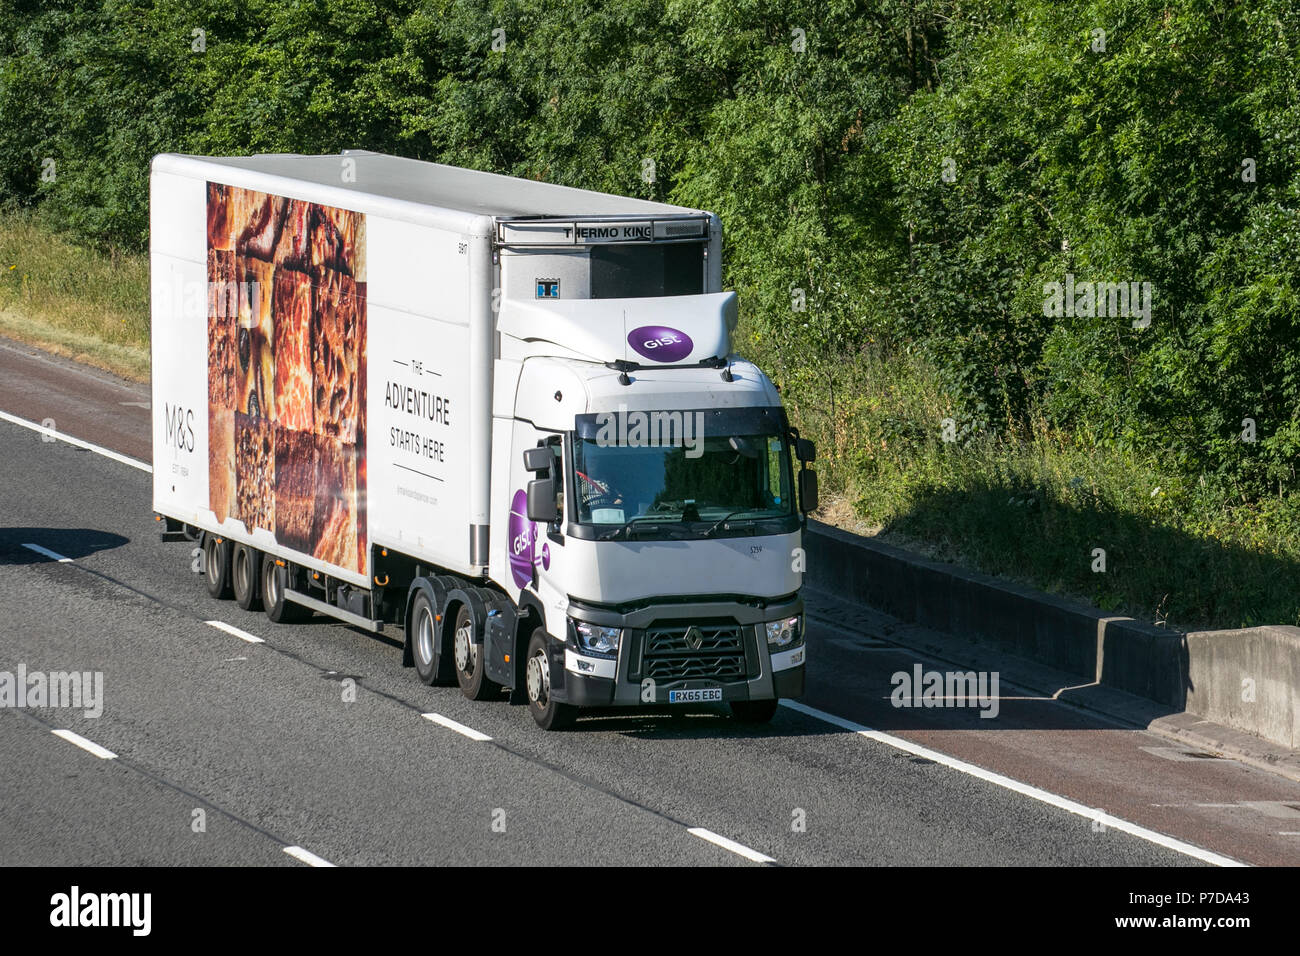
548,713
216,565
245,577
754,711
280,611
469,659
426,640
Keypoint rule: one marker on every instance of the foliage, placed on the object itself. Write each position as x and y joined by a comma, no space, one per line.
899,180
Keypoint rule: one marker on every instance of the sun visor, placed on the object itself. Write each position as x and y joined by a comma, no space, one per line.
672,330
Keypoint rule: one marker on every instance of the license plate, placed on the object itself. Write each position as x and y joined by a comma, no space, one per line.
698,696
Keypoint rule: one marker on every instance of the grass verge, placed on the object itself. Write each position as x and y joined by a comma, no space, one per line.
1121,529
88,304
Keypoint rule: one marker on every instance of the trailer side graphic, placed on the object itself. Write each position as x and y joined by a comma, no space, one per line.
287,371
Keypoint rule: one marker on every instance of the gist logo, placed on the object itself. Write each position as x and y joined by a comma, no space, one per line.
522,534
660,343
524,553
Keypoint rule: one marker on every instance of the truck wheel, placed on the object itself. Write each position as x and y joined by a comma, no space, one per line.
216,565
278,609
753,711
426,639
471,665
245,577
550,714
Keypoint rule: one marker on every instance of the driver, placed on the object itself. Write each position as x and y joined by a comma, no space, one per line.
598,493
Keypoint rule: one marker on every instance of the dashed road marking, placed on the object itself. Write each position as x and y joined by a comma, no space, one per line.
306,856
231,629
738,848
54,556
460,728
87,745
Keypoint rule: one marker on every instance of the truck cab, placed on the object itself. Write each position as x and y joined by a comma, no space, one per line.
654,494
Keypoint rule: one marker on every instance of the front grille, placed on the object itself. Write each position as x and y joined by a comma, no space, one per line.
691,651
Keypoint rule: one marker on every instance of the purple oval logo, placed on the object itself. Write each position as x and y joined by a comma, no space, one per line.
546,557
520,545
659,343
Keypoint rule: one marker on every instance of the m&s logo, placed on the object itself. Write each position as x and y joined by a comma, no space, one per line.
180,426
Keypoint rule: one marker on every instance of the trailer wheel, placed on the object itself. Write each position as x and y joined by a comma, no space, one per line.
426,639
277,607
550,714
245,577
216,565
471,661
753,711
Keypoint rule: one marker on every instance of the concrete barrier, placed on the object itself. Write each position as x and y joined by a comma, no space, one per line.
1199,672
1248,679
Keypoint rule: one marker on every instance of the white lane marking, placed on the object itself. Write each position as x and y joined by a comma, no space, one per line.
306,856
145,405
48,553
1024,789
87,745
231,629
460,728
738,848
456,726
77,442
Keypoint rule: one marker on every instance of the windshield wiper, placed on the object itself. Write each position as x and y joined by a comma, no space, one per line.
613,532
644,521
713,528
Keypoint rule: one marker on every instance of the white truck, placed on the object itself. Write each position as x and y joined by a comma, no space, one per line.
501,415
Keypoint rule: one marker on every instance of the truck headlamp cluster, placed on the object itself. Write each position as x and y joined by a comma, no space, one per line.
785,633
596,640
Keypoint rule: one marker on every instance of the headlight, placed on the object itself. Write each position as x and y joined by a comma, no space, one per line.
785,634
596,640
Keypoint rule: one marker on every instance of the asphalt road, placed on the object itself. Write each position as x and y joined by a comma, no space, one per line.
231,752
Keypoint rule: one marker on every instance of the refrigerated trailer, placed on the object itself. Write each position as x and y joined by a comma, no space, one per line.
499,415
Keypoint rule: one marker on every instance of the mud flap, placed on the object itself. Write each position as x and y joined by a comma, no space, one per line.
499,644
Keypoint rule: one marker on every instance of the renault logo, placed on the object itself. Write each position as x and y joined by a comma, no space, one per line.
694,638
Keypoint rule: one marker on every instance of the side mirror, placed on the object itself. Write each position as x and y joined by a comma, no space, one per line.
541,498
805,450
807,491
538,459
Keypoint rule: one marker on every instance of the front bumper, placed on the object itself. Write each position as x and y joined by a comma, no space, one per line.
586,681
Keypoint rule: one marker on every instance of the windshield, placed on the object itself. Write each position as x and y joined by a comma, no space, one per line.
726,472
